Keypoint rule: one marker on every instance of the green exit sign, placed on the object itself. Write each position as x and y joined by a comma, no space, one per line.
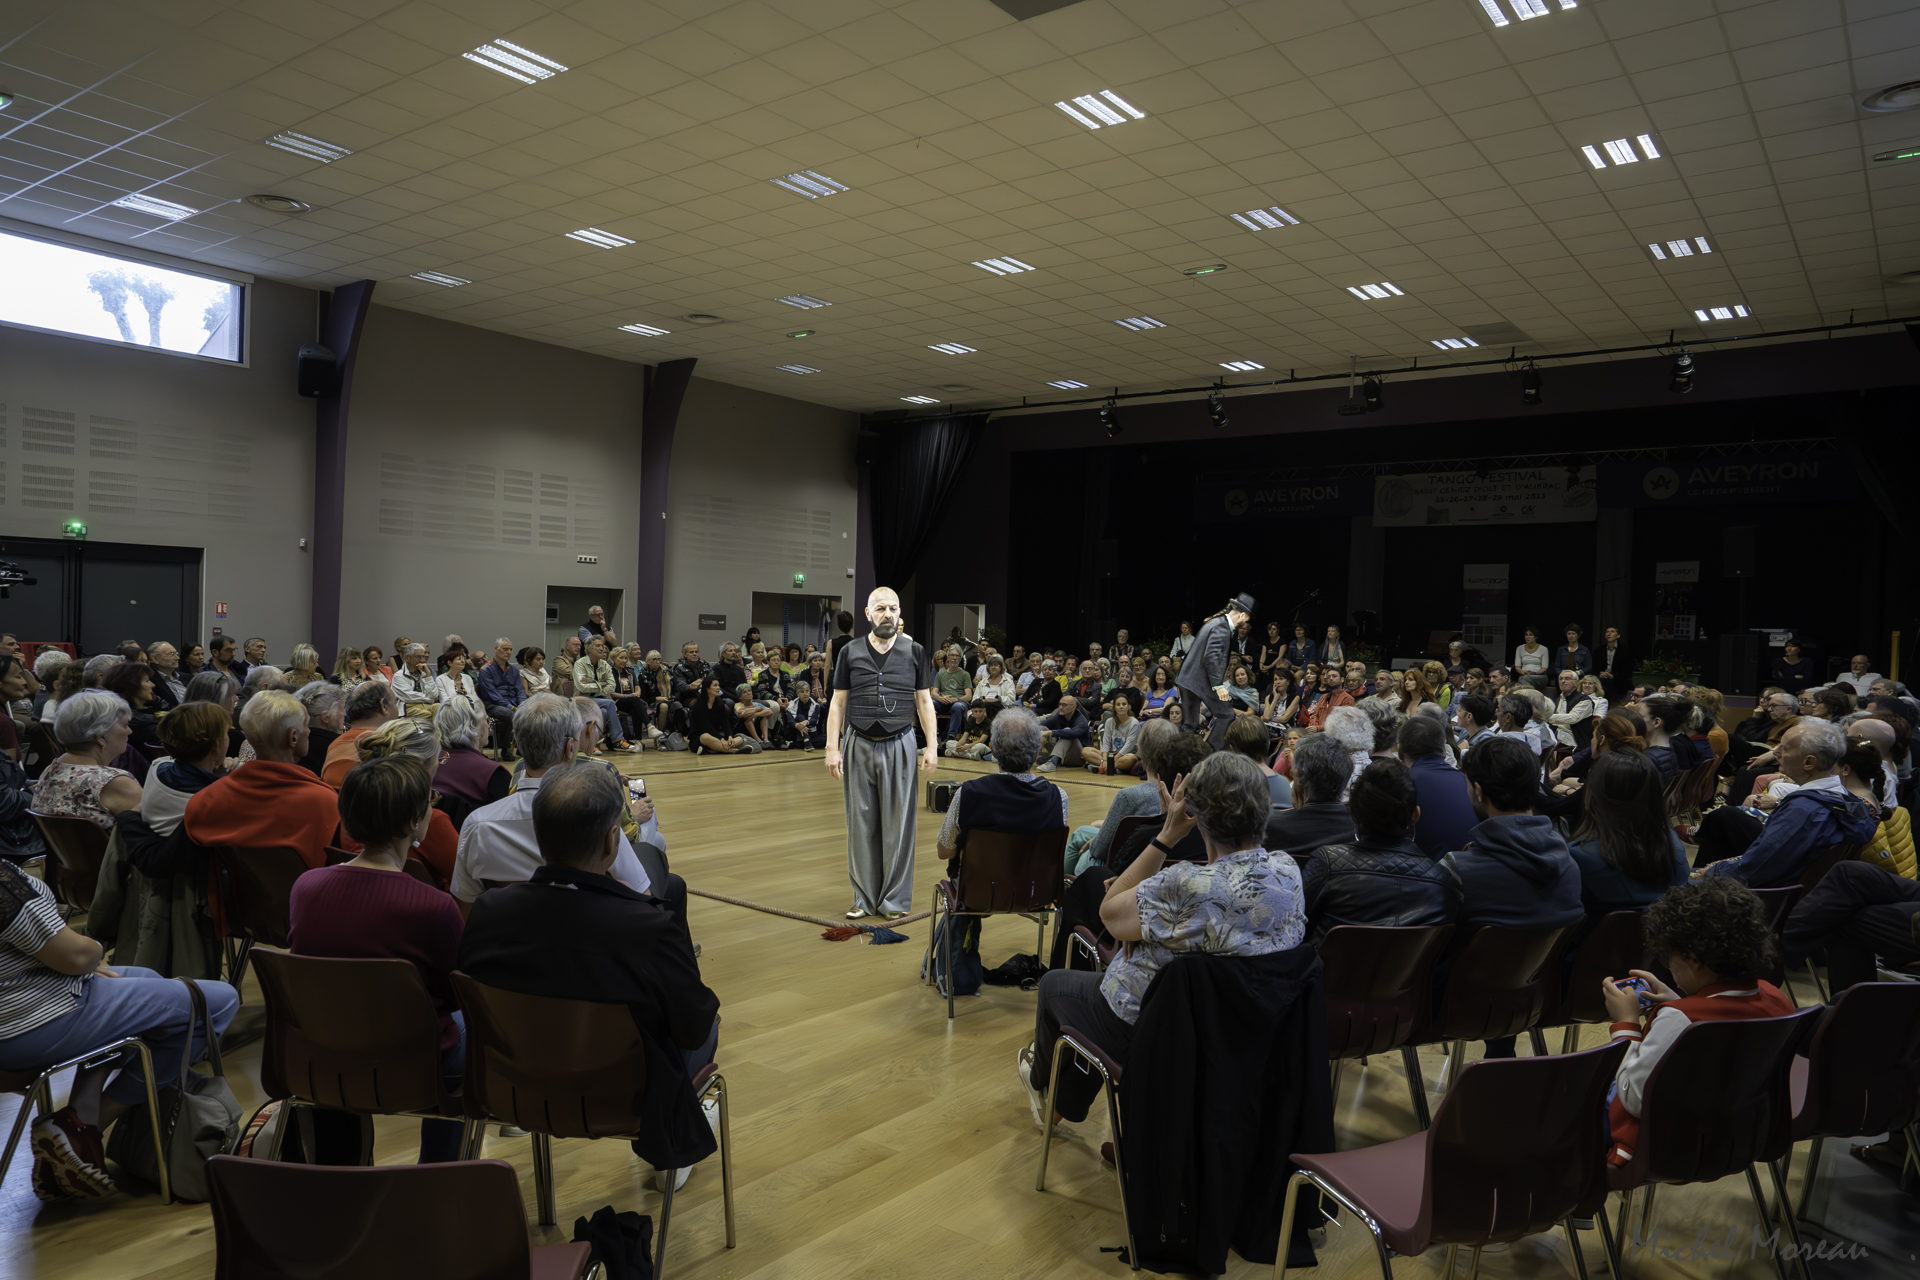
74,529
799,579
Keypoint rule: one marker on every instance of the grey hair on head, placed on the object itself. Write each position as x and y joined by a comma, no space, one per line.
1386,721
88,716
542,727
457,723
211,686
264,677
1351,727
1321,766
100,664
1820,738
319,698
368,699
1228,795
1014,740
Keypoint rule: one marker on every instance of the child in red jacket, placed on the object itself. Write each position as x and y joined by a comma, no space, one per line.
1712,935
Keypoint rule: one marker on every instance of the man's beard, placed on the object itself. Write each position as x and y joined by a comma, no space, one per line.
886,628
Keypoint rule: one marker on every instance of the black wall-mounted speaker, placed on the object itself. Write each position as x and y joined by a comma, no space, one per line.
319,368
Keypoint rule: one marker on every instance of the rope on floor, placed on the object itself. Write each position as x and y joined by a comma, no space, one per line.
841,928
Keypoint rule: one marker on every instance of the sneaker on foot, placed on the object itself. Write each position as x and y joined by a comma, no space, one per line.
1023,1067
625,746
653,731
512,1131
680,1176
1046,766
71,1156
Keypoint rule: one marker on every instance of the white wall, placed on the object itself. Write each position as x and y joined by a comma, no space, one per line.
150,447
762,487
480,466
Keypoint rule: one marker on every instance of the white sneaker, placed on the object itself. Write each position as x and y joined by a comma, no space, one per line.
653,731
1045,767
1036,1101
512,1131
659,1180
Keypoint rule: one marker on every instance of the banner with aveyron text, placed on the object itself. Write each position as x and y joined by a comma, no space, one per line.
1227,498
1522,495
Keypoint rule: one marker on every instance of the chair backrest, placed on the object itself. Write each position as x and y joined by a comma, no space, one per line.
1128,828
45,749
257,887
567,1068
1498,984
1616,943
1863,1066
1827,859
1008,871
79,846
457,1221
1718,1101
359,1035
1516,1144
1378,979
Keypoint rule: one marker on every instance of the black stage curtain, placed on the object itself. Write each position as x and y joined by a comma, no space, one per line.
916,470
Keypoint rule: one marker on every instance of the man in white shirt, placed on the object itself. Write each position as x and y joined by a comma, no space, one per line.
415,686
1857,677
1571,708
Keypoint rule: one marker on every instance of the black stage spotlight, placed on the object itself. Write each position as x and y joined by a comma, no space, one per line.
1110,419
1352,408
1530,384
1370,391
1682,374
1217,409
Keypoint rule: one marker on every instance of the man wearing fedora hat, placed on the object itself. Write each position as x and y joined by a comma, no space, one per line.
1202,678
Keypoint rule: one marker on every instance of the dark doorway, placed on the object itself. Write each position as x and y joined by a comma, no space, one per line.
97,594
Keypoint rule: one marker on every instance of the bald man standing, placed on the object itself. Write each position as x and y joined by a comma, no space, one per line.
879,687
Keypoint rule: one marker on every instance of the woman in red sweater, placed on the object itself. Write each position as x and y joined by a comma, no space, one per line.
371,909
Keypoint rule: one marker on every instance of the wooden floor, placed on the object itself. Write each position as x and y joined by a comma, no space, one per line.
873,1137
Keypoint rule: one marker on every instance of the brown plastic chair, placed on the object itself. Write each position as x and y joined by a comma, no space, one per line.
78,847
45,749
36,1087
570,1069
1379,980
1515,1148
1129,827
1718,1103
1497,987
256,895
352,1035
457,1221
1111,1072
1000,873
1860,1075
1616,944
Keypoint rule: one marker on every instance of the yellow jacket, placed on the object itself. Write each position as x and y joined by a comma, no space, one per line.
1891,848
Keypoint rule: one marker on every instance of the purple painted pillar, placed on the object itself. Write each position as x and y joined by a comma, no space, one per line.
666,388
864,581
346,316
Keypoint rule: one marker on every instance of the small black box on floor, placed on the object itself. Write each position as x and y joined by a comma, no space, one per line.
940,795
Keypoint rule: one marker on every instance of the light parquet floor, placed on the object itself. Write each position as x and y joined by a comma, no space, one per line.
873,1138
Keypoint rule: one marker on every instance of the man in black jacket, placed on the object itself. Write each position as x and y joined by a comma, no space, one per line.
1382,877
1321,767
573,932
1203,673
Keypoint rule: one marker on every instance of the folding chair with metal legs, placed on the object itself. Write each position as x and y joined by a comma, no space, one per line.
1093,1058
38,1100
716,1085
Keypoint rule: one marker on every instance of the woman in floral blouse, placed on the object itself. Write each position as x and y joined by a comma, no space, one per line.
1241,901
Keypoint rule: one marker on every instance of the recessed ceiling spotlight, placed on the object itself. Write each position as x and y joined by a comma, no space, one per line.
645,330
1453,344
950,348
795,368
801,333
702,318
1241,366
1706,314
440,278
1905,153
1140,322
804,302
1205,269
1371,292
312,148
1679,248
279,204
509,59
1094,110
809,184
598,238
1620,151
1068,384
1266,219
158,208
1003,266
1895,97
920,399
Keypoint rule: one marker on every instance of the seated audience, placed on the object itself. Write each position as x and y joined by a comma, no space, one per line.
1860,916
713,725
326,705
1333,693
1322,767
605,941
1064,735
1627,854
533,671
371,909
593,678
270,801
1573,709
1474,716
133,683
973,740
1120,740
807,718
1250,738
1817,813
465,779
1669,743
1242,901
1012,800
501,685
1381,877
1141,798
349,668
1445,807
1350,727
995,689
1713,937
416,687
952,687
195,738
93,725
304,669
368,706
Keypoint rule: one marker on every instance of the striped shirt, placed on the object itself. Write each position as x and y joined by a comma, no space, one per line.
31,995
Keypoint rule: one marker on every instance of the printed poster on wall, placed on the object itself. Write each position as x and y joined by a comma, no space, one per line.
1676,599
1735,479
1225,498
1522,495
1483,618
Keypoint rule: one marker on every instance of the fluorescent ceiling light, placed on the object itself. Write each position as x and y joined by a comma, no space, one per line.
1241,366
1646,146
1525,9
919,399
1620,151
1265,219
1593,157
806,303
509,59
809,184
1094,110
1721,313
440,278
1068,384
795,368
595,236
951,348
1140,322
312,148
1370,292
1003,266
153,205
1453,344
645,330
1494,12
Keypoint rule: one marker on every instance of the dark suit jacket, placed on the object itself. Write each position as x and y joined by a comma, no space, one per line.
1206,663
1306,827
1580,659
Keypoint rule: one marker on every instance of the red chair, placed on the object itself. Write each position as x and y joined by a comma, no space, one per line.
1496,987
77,847
1616,944
458,1221
256,896
1379,981
1515,1148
